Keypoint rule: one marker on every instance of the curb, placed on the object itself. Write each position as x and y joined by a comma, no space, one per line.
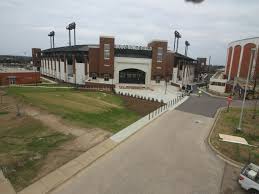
88,165
212,95
217,152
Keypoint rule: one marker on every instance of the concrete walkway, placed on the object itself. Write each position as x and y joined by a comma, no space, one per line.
167,156
67,171
5,185
153,92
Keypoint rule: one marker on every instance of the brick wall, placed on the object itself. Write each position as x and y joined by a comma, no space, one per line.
235,62
21,77
230,50
246,60
158,68
93,61
106,66
36,57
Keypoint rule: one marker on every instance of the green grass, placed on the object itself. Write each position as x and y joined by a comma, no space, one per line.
24,143
3,113
227,124
88,109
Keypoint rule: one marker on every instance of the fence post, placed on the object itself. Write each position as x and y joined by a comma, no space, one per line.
148,116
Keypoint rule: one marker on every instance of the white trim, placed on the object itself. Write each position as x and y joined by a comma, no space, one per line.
240,61
231,61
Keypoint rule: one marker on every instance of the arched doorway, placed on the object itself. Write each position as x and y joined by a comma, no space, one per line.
132,76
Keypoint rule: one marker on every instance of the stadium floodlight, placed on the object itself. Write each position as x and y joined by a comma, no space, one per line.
71,26
195,1
51,36
187,44
177,36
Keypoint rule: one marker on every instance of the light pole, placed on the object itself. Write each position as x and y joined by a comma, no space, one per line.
239,128
187,44
51,37
254,89
177,35
71,26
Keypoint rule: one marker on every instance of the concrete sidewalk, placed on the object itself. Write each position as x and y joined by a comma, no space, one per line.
67,171
5,185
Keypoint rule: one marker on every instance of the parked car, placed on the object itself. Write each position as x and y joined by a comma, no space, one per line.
189,88
249,178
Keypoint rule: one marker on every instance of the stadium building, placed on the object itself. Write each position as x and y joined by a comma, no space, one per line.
106,64
238,58
237,66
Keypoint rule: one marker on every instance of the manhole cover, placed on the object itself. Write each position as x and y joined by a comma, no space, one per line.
198,121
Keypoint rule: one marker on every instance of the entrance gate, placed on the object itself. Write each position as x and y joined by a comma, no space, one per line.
132,76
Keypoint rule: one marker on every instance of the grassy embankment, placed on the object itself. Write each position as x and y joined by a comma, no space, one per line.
88,109
227,123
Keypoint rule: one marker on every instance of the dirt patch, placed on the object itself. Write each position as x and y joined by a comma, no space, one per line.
142,107
37,142
70,150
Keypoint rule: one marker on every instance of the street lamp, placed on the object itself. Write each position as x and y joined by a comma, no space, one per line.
239,128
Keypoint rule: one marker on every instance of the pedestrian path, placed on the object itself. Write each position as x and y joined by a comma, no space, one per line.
156,93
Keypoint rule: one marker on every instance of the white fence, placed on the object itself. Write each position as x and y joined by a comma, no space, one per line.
134,127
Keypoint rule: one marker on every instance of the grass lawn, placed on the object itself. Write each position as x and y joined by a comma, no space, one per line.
88,109
226,124
24,143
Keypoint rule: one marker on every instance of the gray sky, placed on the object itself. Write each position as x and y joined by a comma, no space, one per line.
208,26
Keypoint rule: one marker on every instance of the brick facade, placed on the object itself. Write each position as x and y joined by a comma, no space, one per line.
20,77
158,67
238,59
235,62
246,60
106,66
36,57
230,50
93,61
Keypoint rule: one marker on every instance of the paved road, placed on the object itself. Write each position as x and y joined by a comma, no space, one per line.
208,106
204,105
168,156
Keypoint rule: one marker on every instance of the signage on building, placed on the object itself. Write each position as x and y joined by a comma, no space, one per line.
132,47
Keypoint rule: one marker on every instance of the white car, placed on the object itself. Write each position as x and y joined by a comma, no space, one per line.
249,178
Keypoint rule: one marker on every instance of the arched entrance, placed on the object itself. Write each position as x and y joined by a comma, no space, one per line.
132,76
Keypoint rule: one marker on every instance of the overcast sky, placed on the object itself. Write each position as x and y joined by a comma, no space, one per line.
208,26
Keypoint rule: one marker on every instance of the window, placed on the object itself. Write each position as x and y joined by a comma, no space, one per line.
80,58
158,79
94,76
106,77
159,54
12,80
106,51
